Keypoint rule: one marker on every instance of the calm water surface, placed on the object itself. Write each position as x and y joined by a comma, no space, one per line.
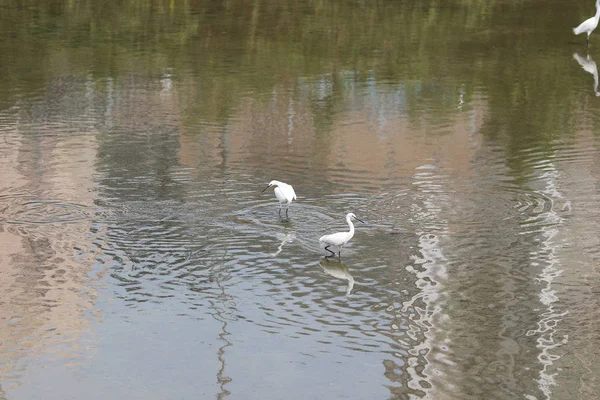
139,260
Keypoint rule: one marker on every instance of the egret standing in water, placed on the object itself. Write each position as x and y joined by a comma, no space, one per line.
589,25
339,239
284,193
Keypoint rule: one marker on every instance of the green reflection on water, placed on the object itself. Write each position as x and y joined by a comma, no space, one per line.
220,50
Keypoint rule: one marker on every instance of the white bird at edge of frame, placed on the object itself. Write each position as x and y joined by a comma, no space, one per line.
339,239
589,25
284,193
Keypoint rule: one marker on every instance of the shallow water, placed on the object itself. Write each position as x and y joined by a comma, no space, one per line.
138,258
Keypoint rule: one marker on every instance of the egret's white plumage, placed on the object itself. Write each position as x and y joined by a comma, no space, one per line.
589,24
339,239
284,193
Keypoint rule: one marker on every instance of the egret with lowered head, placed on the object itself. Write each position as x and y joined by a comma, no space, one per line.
589,25
339,239
284,193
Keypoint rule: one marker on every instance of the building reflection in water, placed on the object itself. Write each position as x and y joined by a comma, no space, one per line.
47,290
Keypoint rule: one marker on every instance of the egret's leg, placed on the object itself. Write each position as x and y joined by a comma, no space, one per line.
327,248
286,210
587,41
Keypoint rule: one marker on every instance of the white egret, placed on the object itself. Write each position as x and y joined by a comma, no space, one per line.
339,239
284,193
589,65
589,25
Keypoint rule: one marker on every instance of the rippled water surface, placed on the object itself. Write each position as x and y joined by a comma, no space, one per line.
140,260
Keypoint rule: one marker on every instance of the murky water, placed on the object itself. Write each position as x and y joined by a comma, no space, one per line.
138,258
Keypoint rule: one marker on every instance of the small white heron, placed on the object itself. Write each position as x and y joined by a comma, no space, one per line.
589,25
339,239
284,193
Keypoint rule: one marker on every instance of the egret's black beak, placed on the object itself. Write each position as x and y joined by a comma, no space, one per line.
358,219
265,188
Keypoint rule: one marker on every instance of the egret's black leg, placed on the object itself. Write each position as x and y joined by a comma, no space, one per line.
286,211
327,248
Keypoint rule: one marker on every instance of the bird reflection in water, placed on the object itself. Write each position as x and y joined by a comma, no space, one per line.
285,239
337,269
590,66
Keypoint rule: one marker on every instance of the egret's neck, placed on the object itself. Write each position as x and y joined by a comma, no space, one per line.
597,16
350,224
